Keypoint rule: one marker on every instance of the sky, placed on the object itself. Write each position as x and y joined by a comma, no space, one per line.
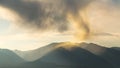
30,24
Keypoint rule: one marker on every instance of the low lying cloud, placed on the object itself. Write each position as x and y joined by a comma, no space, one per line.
105,34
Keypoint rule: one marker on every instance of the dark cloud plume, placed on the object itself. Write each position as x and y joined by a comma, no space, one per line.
74,6
47,14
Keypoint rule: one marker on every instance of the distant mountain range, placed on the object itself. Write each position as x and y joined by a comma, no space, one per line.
64,55
9,58
33,55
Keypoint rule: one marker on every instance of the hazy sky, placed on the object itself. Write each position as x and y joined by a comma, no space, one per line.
103,17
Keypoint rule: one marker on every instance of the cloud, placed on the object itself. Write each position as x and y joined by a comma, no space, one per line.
104,34
49,15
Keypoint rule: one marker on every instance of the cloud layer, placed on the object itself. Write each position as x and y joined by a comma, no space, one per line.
50,15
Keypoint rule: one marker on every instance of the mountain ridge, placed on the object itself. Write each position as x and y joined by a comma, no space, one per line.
82,55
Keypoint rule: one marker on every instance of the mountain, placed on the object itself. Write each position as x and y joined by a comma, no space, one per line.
33,55
9,58
73,55
116,48
109,54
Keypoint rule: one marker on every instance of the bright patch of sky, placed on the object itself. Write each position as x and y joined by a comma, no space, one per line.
14,38
4,26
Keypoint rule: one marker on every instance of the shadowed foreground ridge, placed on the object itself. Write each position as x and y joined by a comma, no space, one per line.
9,58
62,55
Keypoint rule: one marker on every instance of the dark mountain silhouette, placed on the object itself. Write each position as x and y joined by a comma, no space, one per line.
77,55
9,58
109,54
116,48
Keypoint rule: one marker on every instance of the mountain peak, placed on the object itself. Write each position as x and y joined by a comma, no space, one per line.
69,45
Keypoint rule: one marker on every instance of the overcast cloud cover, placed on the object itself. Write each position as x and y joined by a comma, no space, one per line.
44,14
89,18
